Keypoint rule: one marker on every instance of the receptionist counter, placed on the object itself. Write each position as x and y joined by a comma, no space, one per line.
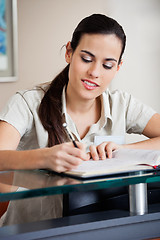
42,183
19,185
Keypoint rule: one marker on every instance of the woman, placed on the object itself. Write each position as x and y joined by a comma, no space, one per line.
33,119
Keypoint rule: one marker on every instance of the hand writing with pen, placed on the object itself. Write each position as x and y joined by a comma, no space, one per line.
66,156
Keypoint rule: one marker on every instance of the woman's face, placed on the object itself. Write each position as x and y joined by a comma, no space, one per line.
93,64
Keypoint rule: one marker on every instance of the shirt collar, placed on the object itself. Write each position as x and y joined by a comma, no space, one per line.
66,116
64,111
105,104
105,112
106,108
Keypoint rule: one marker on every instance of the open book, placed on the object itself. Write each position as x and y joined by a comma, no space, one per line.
123,160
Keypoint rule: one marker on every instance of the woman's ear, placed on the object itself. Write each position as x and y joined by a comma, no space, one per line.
119,65
68,54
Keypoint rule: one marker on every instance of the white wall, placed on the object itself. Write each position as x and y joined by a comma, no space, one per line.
140,72
44,26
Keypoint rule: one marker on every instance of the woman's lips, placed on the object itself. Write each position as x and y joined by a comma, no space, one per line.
90,85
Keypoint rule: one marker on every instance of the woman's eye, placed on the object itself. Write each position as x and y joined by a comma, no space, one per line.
108,66
86,59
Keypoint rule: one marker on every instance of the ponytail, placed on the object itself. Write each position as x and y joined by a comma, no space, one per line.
50,110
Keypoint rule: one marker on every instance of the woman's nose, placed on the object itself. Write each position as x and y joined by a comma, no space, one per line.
94,70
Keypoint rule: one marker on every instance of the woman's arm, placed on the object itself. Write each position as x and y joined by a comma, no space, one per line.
59,158
152,131
9,136
9,157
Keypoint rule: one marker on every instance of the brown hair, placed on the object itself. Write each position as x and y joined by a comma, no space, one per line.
50,110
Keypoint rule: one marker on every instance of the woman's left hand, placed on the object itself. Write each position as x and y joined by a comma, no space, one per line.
103,150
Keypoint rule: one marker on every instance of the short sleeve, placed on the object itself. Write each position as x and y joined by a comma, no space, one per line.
18,114
137,115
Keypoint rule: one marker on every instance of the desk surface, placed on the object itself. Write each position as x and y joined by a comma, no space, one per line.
25,184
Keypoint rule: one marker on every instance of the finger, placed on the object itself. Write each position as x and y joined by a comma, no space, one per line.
80,152
89,155
63,156
81,146
101,151
109,149
71,150
67,163
94,153
111,146
57,167
69,159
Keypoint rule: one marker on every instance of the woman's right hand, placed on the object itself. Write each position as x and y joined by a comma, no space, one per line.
65,156
59,158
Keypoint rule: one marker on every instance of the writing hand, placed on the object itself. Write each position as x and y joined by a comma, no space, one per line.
65,156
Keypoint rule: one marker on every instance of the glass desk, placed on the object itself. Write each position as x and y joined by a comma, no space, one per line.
137,224
42,183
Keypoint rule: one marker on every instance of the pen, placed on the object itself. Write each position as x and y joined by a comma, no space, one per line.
70,134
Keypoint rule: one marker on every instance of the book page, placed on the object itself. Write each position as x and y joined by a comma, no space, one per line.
139,156
122,160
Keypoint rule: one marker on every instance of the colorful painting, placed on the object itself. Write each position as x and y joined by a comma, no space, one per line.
3,36
8,41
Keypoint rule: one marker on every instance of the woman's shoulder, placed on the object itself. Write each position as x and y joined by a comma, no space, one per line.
28,98
118,94
35,93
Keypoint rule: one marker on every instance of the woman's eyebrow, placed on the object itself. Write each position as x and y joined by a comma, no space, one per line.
92,55
111,59
89,53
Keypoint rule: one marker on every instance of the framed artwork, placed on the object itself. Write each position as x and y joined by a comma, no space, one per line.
8,41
